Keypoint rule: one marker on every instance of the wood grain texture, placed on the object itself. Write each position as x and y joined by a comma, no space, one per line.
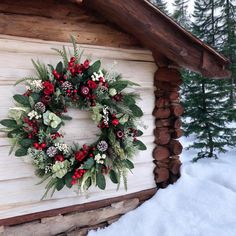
57,20
160,33
21,195
141,195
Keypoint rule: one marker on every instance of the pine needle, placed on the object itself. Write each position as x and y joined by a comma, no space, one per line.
63,54
41,69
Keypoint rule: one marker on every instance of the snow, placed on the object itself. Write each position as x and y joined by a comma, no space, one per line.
201,203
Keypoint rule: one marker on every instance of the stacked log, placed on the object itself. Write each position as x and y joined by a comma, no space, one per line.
168,126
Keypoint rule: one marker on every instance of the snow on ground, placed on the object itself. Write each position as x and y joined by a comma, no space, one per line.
201,203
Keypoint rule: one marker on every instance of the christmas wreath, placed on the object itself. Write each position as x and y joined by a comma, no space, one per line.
34,123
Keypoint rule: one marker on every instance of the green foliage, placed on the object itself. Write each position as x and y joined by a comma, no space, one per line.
100,181
9,123
94,68
140,145
26,143
137,112
21,99
89,164
41,69
63,54
113,177
21,152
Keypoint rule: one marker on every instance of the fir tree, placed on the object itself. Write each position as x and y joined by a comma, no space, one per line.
180,13
228,41
161,4
207,110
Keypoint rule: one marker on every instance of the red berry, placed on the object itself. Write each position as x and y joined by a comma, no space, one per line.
75,91
115,122
36,145
71,64
43,145
72,59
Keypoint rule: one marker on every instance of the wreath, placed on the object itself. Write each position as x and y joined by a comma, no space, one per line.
34,123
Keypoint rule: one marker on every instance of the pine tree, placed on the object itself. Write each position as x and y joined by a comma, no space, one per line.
161,4
207,110
228,41
180,13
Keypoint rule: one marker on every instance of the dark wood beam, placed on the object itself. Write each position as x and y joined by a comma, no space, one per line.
160,34
142,196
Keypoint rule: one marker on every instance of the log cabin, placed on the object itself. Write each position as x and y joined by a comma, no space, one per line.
149,48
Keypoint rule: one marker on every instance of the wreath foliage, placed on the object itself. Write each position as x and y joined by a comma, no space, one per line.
34,123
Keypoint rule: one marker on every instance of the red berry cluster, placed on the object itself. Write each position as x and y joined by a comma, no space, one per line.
84,152
39,146
32,127
56,135
77,68
48,88
77,175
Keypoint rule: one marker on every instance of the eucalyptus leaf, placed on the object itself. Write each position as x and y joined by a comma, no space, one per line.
137,112
21,152
9,123
141,146
21,99
129,164
113,176
26,142
100,181
89,164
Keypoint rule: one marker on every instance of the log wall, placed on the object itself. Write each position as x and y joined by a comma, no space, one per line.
168,126
19,194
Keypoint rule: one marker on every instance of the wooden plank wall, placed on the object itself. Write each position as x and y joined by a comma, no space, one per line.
19,194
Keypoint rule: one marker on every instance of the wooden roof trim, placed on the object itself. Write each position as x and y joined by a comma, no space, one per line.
188,34
162,35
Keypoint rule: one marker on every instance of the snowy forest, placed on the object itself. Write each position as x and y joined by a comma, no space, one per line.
209,104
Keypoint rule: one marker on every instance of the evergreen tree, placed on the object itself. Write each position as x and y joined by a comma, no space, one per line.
228,41
180,13
207,110
161,4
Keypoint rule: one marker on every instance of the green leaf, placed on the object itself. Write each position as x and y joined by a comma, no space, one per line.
23,100
100,181
129,164
113,177
68,179
88,164
139,133
8,123
35,97
141,145
120,85
65,117
137,112
26,142
59,67
21,152
60,184
94,68
129,100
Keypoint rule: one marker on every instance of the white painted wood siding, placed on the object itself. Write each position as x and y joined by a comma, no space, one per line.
19,193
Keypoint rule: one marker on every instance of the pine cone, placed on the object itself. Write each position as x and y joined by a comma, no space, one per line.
67,86
40,107
51,151
102,146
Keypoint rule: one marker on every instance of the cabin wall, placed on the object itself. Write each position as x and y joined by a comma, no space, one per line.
29,29
17,181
